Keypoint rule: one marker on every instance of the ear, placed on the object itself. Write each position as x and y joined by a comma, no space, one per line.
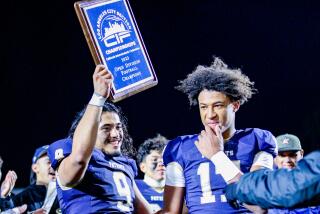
302,152
143,167
34,168
236,105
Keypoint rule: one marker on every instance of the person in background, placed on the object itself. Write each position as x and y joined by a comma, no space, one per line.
42,177
150,163
289,153
6,203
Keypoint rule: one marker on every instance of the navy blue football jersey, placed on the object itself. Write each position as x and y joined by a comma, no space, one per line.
203,186
107,186
154,198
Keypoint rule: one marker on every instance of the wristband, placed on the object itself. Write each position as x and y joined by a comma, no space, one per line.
224,166
97,100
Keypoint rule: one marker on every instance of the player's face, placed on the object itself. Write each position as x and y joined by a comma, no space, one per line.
43,170
217,109
153,166
110,133
288,159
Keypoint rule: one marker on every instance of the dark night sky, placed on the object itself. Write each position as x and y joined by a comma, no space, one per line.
46,69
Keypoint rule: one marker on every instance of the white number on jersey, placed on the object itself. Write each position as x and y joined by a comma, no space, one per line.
207,196
123,190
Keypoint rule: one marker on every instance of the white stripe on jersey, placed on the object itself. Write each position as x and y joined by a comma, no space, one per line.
174,175
264,159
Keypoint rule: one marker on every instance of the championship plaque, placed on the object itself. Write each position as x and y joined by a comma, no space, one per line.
115,41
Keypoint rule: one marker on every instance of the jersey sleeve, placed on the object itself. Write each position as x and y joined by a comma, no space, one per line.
263,159
172,152
58,151
172,158
266,142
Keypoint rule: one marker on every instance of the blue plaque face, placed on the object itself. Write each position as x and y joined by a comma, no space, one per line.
118,42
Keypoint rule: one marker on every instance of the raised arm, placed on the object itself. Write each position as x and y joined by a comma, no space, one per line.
73,167
211,146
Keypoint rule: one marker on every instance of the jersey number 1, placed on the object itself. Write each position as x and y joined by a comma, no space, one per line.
207,196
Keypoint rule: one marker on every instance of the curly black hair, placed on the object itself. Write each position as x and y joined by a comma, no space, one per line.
157,143
127,144
217,77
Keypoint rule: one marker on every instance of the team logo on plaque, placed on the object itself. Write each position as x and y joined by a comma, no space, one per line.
112,28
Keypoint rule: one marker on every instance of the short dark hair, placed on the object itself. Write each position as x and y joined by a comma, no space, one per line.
217,77
157,143
127,145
